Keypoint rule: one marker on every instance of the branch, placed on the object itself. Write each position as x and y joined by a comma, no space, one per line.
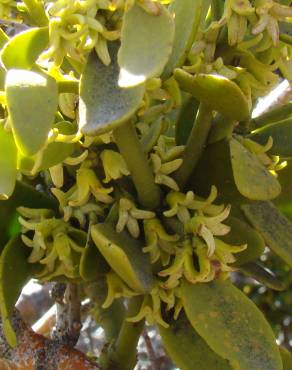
34,350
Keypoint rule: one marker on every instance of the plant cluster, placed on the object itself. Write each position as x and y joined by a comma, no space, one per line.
131,167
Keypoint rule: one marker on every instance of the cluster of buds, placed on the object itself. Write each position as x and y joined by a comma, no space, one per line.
165,160
56,246
77,27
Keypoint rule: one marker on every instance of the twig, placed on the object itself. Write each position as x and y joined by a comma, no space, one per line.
33,350
151,353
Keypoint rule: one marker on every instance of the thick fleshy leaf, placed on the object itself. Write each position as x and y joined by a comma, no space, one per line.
231,325
281,132
103,104
241,233
23,49
262,275
8,163
14,274
187,17
252,179
217,92
92,263
286,358
187,349
274,227
124,255
146,43
32,101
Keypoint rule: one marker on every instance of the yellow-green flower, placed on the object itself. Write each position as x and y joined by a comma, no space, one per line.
163,170
152,306
129,215
159,244
88,184
114,165
235,15
269,13
52,244
206,227
117,288
182,204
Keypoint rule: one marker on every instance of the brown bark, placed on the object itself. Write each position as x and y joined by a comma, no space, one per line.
34,352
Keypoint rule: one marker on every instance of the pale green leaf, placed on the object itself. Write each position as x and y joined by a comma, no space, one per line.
103,104
187,17
187,349
252,179
32,101
124,255
23,49
217,92
8,163
146,44
231,325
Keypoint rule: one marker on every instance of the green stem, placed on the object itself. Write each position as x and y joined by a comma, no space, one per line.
274,115
195,145
37,12
142,175
286,38
217,9
68,87
125,353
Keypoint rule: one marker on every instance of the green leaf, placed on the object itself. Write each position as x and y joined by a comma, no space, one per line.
252,179
262,275
32,101
241,233
274,115
146,43
231,325
103,104
185,120
187,349
274,227
217,92
187,17
124,255
281,132
286,358
15,271
22,50
92,263
8,163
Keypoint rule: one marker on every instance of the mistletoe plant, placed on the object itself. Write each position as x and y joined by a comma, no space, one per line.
134,176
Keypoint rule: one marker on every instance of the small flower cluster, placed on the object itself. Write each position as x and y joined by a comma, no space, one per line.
56,246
